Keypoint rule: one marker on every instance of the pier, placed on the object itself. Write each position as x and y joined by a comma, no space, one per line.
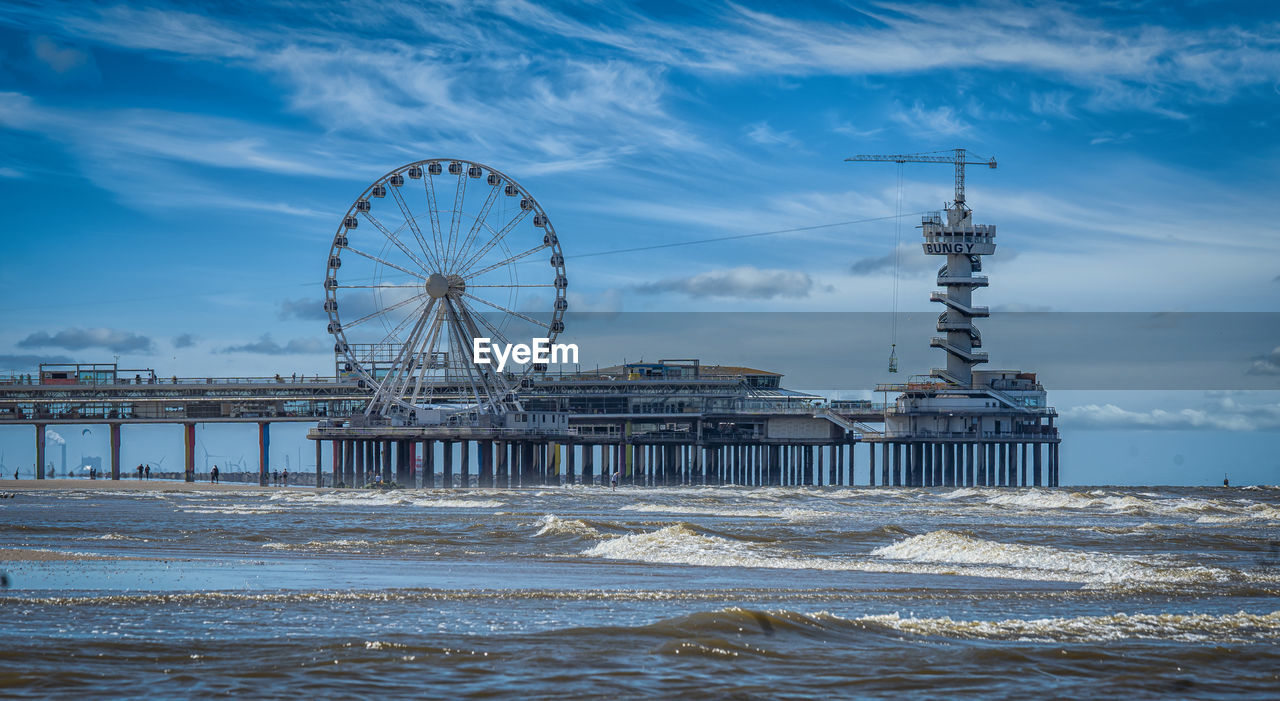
416,408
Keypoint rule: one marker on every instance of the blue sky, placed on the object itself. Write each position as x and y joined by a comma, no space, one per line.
172,175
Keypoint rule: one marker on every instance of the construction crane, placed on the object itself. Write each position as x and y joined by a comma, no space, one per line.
956,157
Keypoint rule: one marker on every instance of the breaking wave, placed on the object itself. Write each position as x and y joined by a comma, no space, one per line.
732,628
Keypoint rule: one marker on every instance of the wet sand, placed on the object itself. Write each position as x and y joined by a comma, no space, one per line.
134,485
33,555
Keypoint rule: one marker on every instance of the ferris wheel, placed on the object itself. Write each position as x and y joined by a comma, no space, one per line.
431,256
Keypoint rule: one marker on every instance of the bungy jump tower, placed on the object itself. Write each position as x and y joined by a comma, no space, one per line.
960,426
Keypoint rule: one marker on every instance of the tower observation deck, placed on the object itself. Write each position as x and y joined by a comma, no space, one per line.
959,425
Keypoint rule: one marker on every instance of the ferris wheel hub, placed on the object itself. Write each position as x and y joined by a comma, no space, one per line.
437,285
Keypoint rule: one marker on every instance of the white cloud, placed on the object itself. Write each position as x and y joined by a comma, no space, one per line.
1267,364
75,338
1226,413
765,135
266,346
744,282
939,121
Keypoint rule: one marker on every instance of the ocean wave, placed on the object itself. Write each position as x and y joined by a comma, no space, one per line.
681,544
733,629
786,513
234,510
438,499
550,524
1044,499
1254,512
936,553
1043,562
119,536
1234,627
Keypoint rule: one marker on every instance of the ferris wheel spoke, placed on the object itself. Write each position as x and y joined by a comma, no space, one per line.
512,312
464,353
429,184
389,264
429,351
471,286
402,370
390,386
373,347
394,239
384,310
497,333
458,196
479,222
413,225
501,263
382,287
492,380
497,238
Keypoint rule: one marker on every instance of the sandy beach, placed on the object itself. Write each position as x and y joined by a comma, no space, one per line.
133,485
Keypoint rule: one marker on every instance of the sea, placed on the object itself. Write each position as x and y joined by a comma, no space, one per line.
586,592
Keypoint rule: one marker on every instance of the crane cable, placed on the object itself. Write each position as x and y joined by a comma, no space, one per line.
897,246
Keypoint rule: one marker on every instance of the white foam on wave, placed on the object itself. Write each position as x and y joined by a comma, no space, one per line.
458,503
681,545
119,536
235,510
1255,512
445,500
550,524
935,553
1234,627
1044,499
787,513
1145,504
1043,562
962,493
320,545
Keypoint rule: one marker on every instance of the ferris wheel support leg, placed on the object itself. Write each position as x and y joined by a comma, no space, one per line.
446,469
264,451
115,451
464,469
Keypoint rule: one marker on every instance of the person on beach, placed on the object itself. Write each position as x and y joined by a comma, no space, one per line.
147,471
213,475
284,478
613,479
139,472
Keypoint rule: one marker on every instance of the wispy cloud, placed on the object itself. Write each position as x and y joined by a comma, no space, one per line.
1266,364
1223,414
765,135
745,282
266,346
938,121
60,59
185,340
13,362
908,258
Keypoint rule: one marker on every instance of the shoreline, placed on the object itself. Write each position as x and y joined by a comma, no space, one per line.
135,485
